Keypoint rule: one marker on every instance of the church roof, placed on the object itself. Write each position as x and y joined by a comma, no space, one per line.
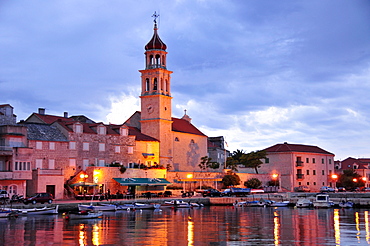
296,148
133,131
155,43
182,125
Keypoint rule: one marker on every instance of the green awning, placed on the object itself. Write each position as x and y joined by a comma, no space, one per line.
142,181
83,184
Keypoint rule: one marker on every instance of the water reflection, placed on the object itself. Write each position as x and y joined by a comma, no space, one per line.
206,226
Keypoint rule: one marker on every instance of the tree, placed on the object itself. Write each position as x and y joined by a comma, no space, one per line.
230,179
234,160
206,162
253,159
347,179
253,183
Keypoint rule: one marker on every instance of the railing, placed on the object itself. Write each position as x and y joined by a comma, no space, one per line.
16,175
6,148
51,171
300,176
299,163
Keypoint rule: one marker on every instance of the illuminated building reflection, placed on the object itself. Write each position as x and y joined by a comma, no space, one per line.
276,228
190,232
336,227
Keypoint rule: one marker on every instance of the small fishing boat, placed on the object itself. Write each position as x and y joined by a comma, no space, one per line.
196,204
4,213
346,204
278,204
146,205
84,215
175,204
304,203
35,211
322,200
263,202
107,207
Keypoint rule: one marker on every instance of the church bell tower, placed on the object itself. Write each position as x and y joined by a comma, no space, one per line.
156,115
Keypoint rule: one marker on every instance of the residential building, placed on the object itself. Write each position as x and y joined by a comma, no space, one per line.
298,164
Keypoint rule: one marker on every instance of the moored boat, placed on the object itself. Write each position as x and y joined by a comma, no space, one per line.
146,205
322,201
346,204
304,203
4,213
278,204
107,207
176,204
35,211
84,215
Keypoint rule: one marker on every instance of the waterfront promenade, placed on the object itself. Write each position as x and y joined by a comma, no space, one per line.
359,199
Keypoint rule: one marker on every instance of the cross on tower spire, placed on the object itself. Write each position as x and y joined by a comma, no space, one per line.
155,16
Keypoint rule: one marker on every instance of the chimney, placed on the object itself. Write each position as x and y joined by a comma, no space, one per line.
65,114
42,111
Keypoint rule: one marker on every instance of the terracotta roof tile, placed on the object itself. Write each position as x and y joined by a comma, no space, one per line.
133,131
180,125
296,148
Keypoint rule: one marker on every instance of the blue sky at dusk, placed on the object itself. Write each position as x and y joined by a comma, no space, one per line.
256,72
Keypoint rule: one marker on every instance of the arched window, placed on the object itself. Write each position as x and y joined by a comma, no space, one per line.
12,190
167,85
155,84
147,85
162,85
177,139
158,60
151,60
163,61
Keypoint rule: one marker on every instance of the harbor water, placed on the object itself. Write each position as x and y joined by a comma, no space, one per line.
214,225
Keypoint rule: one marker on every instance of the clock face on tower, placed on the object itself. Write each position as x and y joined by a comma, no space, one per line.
149,108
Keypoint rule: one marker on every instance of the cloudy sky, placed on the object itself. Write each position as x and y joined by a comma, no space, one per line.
256,72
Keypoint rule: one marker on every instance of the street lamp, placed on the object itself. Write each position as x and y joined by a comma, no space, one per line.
335,178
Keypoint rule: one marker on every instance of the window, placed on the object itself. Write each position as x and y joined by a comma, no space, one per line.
51,164
313,160
155,86
101,130
267,160
307,160
72,145
51,145
39,163
101,163
72,162
147,85
124,131
323,172
192,141
314,172
101,146
308,172
117,149
78,128
314,183
322,161
38,145
177,139
308,183
85,146
130,150
329,161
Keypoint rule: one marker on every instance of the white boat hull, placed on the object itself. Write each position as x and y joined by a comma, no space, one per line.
87,215
82,207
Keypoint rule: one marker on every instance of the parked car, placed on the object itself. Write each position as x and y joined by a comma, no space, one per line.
341,189
236,192
302,188
211,193
39,197
366,189
4,196
328,189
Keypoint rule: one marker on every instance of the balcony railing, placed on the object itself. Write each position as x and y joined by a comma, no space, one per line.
299,163
300,176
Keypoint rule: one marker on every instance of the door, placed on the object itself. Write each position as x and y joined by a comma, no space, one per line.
51,189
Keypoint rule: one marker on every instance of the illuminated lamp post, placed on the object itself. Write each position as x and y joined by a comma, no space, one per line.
275,177
189,176
335,178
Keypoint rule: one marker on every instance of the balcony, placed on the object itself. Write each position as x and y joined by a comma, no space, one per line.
6,150
300,176
16,175
299,163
